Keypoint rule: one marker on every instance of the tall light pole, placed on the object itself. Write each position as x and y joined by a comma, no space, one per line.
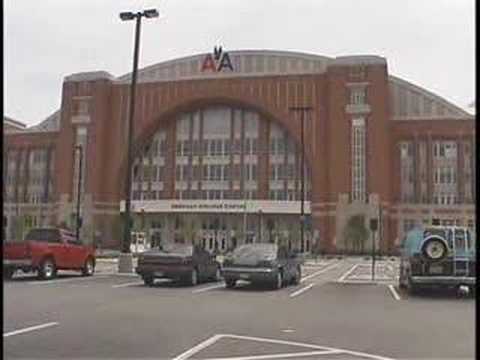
303,110
79,151
125,263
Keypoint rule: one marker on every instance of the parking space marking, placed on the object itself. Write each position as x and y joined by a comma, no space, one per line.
281,356
332,266
208,288
394,292
301,291
197,348
61,281
29,329
348,272
127,284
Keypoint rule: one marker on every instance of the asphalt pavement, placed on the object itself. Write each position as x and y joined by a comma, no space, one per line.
334,313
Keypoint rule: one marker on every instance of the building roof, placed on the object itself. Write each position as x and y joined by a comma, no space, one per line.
51,123
11,125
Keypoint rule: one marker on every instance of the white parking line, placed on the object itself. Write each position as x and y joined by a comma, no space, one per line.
320,271
394,292
348,272
128,284
281,356
208,288
302,290
32,328
199,347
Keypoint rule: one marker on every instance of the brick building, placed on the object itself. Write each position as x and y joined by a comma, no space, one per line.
218,152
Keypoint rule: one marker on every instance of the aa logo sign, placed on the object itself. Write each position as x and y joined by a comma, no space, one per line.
217,62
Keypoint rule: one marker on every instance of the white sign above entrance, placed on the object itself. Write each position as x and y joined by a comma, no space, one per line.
216,206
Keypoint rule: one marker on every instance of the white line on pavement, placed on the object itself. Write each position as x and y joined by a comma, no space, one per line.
320,271
302,290
32,328
128,284
348,272
208,288
197,348
280,356
394,292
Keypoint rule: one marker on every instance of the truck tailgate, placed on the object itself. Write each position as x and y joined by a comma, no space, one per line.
16,250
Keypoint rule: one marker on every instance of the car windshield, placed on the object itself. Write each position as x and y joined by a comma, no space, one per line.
255,250
174,248
46,235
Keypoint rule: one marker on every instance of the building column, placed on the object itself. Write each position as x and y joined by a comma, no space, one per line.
429,169
460,170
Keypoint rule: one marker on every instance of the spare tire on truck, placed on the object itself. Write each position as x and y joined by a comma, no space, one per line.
434,248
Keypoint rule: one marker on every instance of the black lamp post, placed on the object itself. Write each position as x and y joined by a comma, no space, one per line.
126,16
302,110
79,151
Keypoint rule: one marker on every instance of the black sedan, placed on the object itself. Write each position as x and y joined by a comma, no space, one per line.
262,263
186,263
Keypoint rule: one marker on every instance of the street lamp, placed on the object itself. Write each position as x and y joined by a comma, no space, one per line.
125,261
79,150
260,225
303,110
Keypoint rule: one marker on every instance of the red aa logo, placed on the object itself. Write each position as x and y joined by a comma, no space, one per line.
216,63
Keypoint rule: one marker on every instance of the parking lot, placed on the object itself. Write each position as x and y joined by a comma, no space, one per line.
334,313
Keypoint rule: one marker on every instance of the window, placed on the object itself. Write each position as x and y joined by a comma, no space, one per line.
357,96
358,159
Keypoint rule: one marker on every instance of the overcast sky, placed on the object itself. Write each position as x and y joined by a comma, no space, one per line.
428,42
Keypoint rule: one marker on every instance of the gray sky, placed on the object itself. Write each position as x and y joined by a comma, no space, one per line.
428,42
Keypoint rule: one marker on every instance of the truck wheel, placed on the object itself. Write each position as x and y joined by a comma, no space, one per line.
8,273
89,267
48,269
413,289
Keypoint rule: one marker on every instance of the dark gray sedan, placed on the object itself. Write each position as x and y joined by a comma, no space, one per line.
262,263
186,263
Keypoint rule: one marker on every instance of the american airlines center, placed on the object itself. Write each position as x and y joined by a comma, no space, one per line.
218,153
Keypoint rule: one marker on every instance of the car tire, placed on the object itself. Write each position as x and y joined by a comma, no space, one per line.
47,269
193,278
89,267
230,283
278,282
8,273
148,280
298,276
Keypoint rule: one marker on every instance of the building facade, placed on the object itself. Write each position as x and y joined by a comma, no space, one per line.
218,153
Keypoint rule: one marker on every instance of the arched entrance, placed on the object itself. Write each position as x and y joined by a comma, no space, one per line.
231,167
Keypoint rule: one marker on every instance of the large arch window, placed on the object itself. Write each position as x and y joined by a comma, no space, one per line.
218,154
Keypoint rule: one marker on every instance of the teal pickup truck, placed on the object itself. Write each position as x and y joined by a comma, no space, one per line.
438,256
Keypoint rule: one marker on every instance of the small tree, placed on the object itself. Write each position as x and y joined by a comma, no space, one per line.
355,234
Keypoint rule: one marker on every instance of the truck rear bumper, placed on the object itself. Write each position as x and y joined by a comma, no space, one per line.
443,280
18,263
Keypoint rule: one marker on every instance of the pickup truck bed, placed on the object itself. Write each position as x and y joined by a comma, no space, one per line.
45,251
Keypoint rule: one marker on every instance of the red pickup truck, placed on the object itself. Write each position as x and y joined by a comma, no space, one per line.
46,250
